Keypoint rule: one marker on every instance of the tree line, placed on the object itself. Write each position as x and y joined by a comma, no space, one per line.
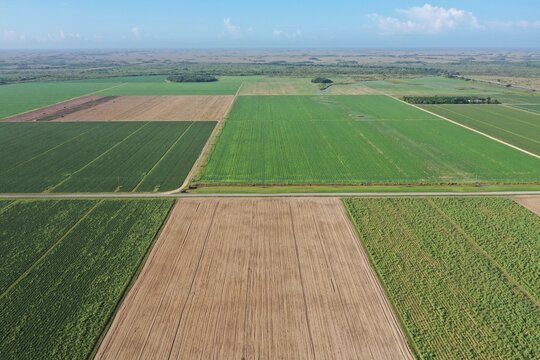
450,100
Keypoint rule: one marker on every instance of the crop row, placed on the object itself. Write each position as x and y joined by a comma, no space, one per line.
453,299
59,306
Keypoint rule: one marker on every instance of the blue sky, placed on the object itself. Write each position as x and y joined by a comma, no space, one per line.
269,24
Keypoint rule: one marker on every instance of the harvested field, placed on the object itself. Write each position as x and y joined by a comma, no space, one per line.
54,110
163,108
530,202
288,280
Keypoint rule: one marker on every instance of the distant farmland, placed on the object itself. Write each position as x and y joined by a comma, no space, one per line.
461,273
64,267
517,127
99,157
354,140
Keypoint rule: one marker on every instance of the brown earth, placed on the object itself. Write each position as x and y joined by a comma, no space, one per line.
530,202
53,110
252,279
165,108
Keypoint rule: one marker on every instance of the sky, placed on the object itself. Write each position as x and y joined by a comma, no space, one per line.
140,24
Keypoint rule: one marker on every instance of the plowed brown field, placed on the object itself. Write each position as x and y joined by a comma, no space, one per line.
165,108
530,202
252,279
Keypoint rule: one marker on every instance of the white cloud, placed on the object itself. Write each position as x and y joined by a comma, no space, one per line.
136,32
278,33
425,19
12,35
232,29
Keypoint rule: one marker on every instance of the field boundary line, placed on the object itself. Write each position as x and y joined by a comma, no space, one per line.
163,156
96,158
50,149
132,282
515,107
480,250
206,150
492,125
59,102
468,128
49,250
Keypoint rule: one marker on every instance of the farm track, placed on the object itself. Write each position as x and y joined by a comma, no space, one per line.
248,195
290,281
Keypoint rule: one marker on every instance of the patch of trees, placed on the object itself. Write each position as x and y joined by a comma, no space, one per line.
321,80
449,100
191,78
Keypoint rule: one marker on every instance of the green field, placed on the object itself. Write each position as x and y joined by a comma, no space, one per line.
99,157
529,107
354,140
18,98
433,85
64,267
517,127
462,274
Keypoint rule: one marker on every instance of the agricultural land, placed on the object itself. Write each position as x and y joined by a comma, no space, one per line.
254,278
461,273
64,267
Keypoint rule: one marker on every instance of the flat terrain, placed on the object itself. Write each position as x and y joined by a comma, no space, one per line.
161,108
530,202
433,85
265,85
461,273
252,279
53,110
354,140
64,266
19,98
99,157
517,127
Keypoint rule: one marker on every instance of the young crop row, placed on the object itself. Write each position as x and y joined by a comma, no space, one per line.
100,156
59,305
354,140
453,299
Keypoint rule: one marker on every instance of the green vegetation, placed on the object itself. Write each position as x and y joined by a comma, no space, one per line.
354,140
517,127
65,265
99,157
18,98
449,100
529,107
191,78
461,273
321,80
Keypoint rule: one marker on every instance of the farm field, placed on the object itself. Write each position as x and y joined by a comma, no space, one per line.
266,85
434,85
18,98
65,265
99,157
288,279
461,273
529,107
164,108
519,128
284,140
530,202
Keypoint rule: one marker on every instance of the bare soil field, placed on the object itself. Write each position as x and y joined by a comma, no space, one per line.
55,110
163,108
530,202
252,279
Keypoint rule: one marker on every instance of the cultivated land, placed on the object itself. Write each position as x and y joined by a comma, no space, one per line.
164,108
530,202
354,140
433,85
99,157
517,127
462,273
250,279
64,266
